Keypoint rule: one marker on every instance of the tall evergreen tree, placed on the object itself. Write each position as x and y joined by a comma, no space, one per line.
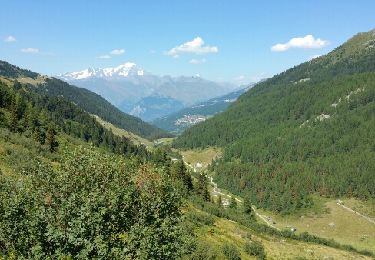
51,139
202,188
247,209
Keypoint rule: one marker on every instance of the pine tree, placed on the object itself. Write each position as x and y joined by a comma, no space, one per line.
13,119
179,171
202,189
247,209
51,139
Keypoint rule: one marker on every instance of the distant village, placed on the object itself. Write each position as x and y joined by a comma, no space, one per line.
190,120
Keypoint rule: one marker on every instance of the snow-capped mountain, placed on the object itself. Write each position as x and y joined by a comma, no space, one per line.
124,70
128,87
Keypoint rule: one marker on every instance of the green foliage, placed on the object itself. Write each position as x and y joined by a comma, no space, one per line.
203,251
279,143
200,218
179,172
51,139
243,219
93,205
255,248
44,116
219,201
201,187
12,71
247,207
231,252
95,104
233,203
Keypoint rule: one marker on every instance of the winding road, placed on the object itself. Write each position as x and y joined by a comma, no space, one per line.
217,191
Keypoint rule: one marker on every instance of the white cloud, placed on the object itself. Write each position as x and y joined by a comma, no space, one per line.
196,46
114,52
106,56
10,38
30,50
307,42
197,61
117,52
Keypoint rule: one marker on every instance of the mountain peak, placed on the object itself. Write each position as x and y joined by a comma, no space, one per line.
124,70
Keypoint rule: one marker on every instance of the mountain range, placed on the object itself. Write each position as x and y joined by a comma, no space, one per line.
177,122
73,185
83,98
142,94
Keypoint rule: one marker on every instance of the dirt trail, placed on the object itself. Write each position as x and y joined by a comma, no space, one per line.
339,202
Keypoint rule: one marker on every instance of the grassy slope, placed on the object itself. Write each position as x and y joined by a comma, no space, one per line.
332,222
136,139
204,156
348,228
224,231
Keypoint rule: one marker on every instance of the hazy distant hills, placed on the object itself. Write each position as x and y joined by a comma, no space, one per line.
83,98
143,94
189,116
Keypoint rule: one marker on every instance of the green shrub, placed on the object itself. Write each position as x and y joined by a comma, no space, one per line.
91,206
255,248
199,218
203,251
231,252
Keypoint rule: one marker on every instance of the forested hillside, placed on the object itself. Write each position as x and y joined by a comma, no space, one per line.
23,110
83,98
306,130
71,189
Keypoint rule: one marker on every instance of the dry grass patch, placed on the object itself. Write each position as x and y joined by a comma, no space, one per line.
203,156
225,231
122,132
335,223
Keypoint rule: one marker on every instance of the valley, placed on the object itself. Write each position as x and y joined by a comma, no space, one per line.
327,219
143,94
187,130
181,120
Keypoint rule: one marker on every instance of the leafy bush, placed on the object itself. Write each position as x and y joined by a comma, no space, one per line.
231,252
200,218
91,205
255,248
203,251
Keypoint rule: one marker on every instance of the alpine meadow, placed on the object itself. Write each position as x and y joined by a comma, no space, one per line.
187,130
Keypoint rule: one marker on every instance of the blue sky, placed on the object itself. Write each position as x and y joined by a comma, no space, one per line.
233,39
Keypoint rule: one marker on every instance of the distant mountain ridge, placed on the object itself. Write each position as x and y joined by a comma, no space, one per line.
123,70
128,87
85,99
177,122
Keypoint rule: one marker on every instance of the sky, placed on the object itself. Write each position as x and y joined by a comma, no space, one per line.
237,41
